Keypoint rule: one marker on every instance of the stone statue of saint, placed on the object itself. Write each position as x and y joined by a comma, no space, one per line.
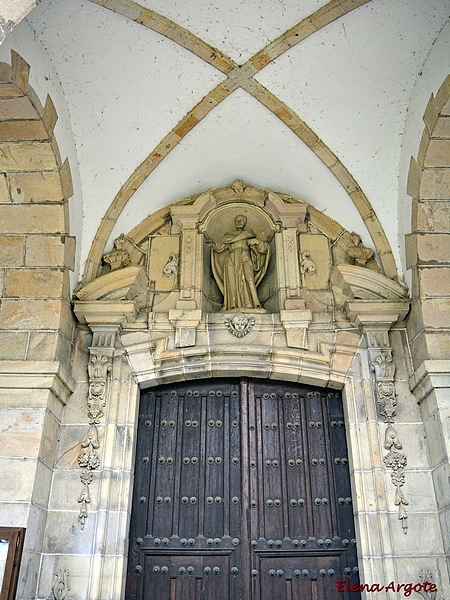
239,262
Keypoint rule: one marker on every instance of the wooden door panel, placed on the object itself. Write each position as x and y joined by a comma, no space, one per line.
196,577
241,491
298,577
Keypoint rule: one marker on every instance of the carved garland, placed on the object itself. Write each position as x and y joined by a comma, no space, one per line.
384,369
99,368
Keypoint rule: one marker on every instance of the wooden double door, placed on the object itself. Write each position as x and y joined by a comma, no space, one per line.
242,491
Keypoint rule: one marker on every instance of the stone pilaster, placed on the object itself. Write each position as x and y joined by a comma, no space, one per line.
375,324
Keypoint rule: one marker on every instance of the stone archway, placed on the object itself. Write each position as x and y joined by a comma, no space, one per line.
150,330
428,255
36,322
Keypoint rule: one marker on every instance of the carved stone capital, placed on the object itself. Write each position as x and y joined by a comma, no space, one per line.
376,315
105,312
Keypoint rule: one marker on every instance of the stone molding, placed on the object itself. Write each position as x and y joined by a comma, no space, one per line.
376,315
106,312
120,284
37,374
366,284
160,362
429,376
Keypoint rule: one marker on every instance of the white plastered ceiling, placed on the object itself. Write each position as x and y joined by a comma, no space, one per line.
361,83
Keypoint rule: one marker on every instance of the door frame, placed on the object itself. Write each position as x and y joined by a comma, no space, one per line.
248,401
370,481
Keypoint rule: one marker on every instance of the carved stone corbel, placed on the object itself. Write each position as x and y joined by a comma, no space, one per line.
296,323
186,323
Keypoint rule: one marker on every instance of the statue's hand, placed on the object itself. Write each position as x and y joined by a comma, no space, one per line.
210,242
252,242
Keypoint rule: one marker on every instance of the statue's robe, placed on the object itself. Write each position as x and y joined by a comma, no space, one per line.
238,268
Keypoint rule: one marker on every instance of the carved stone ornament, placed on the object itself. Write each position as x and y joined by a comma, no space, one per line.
124,253
60,587
396,460
384,369
170,269
307,265
239,325
426,576
99,368
358,254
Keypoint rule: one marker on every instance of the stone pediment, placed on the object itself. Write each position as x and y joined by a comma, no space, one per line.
241,271
365,284
121,284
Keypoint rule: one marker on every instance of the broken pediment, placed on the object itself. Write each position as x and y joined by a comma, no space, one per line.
121,284
357,282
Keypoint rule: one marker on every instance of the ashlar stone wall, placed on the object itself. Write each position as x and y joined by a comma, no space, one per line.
428,255
36,323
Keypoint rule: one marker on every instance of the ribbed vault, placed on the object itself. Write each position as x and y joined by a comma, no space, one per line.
238,76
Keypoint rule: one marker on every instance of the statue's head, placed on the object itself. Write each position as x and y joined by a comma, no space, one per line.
240,221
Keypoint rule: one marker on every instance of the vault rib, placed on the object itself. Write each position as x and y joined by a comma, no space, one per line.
237,76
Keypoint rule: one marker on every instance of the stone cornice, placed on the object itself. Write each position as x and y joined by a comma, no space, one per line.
105,312
376,314
36,374
430,375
